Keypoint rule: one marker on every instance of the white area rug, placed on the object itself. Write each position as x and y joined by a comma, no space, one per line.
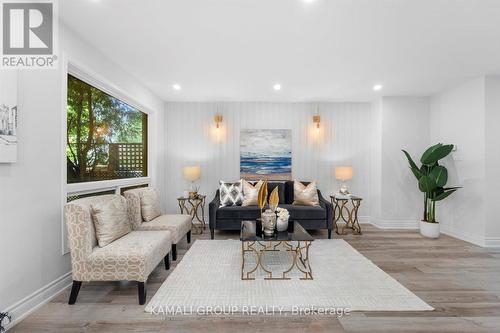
209,275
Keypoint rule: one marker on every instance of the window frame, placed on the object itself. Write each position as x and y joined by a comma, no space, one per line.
110,89
80,71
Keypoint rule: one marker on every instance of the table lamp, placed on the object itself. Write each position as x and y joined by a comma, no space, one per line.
192,174
344,173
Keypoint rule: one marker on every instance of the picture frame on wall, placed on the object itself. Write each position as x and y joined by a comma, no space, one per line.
9,116
266,154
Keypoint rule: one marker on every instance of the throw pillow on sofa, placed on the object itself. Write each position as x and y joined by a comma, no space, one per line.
231,194
251,193
150,205
305,195
110,220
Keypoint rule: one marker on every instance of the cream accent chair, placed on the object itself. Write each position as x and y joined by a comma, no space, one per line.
132,257
178,224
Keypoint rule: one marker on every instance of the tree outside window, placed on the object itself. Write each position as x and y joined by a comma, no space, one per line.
106,138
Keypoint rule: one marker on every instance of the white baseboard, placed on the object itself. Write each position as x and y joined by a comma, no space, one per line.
29,304
465,236
394,224
492,242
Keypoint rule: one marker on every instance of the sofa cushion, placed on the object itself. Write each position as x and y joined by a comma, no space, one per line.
150,204
231,194
110,219
251,193
178,225
132,257
305,212
241,212
305,195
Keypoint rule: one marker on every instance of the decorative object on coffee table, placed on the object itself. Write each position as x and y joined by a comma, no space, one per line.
196,208
282,221
348,213
262,197
432,179
344,173
296,240
268,222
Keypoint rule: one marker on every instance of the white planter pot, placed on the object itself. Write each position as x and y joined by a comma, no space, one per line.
430,230
281,225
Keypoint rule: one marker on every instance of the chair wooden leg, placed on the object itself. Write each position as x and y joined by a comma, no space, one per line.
141,288
167,262
329,233
74,292
212,233
174,252
188,236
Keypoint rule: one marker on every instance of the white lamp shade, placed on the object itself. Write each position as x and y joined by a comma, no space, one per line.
344,172
192,173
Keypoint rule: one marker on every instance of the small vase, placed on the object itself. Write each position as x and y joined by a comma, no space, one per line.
281,225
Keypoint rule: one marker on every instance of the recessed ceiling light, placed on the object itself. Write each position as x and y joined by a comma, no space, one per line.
308,1
176,86
377,87
277,87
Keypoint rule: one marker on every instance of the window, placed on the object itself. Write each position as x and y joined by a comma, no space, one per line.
106,138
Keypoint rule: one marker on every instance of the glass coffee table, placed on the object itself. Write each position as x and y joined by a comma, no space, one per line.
296,240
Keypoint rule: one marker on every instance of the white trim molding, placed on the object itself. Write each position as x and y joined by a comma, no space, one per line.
492,242
105,185
394,224
465,236
31,303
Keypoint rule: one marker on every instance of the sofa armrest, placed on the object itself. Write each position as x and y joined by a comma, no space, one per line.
329,209
212,210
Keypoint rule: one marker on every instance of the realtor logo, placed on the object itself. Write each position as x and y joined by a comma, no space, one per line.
28,34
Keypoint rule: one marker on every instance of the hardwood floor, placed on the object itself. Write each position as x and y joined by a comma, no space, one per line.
461,281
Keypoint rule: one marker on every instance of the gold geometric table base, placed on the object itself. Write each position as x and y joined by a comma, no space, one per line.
348,214
196,209
300,258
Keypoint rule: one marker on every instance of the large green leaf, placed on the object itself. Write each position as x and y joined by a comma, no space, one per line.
444,195
413,167
435,153
427,184
410,160
424,169
440,174
417,173
429,151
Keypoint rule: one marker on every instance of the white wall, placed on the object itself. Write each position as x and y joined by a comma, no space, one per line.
344,139
458,117
492,193
31,190
398,123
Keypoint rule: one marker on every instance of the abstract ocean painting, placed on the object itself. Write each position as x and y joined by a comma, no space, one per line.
266,154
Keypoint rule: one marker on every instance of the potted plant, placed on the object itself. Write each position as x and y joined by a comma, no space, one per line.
432,179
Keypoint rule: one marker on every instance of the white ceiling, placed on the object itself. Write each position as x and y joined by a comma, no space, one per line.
319,51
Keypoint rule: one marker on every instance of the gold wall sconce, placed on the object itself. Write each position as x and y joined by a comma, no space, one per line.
218,121
317,121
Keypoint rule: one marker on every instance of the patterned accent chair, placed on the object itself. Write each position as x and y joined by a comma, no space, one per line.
179,225
132,257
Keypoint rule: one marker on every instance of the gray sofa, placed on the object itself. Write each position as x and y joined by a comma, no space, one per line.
310,217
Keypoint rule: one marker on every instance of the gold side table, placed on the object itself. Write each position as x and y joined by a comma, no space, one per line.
348,213
196,208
